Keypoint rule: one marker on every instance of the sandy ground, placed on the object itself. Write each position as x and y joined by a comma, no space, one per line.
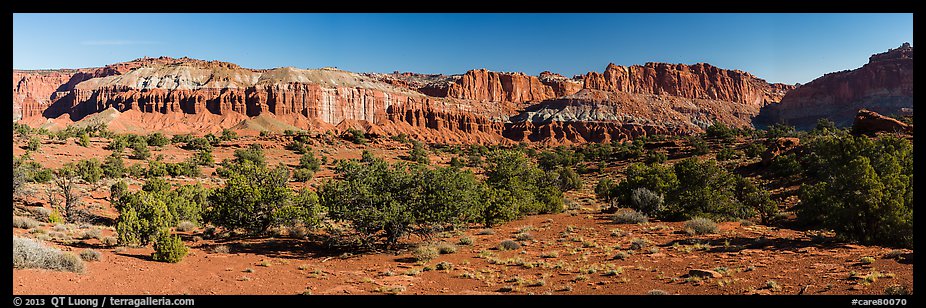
569,253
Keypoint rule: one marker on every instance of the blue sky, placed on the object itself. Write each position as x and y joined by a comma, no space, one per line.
777,47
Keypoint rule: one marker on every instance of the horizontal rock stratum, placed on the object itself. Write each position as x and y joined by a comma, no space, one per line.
480,106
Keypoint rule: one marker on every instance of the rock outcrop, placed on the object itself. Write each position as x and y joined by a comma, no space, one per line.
884,85
779,146
483,85
870,123
478,106
701,81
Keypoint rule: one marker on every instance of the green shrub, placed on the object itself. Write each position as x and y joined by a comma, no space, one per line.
156,168
699,225
91,171
254,154
296,147
691,188
189,168
140,151
113,167
141,219
780,130
726,154
118,144
699,146
824,126
719,130
861,188
604,188
455,162
256,198
389,201
355,135
559,157
403,138
169,248
446,248
143,214
29,253
443,266
302,174
785,166
23,130
157,140
228,135
654,157
466,241
310,162
418,153
474,160
55,217
705,189
203,158
34,144
198,144
757,198
755,149
182,138
659,179
519,187
84,140
568,179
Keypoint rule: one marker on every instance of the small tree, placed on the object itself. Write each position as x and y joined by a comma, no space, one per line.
568,179
157,140
113,166
140,150
20,177
228,135
861,188
34,144
198,144
90,170
203,158
780,130
455,162
253,198
169,248
418,153
718,130
65,184
182,138
84,140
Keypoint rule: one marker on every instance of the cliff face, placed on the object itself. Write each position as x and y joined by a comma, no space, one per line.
701,81
34,91
884,85
483,85
479,106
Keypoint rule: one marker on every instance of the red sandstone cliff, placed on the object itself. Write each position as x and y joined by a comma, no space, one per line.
483,85
883,85
701,81
479,106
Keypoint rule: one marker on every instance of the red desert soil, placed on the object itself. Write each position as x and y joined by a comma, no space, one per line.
569,253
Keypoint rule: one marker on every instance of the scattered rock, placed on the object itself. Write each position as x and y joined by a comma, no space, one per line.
704,273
